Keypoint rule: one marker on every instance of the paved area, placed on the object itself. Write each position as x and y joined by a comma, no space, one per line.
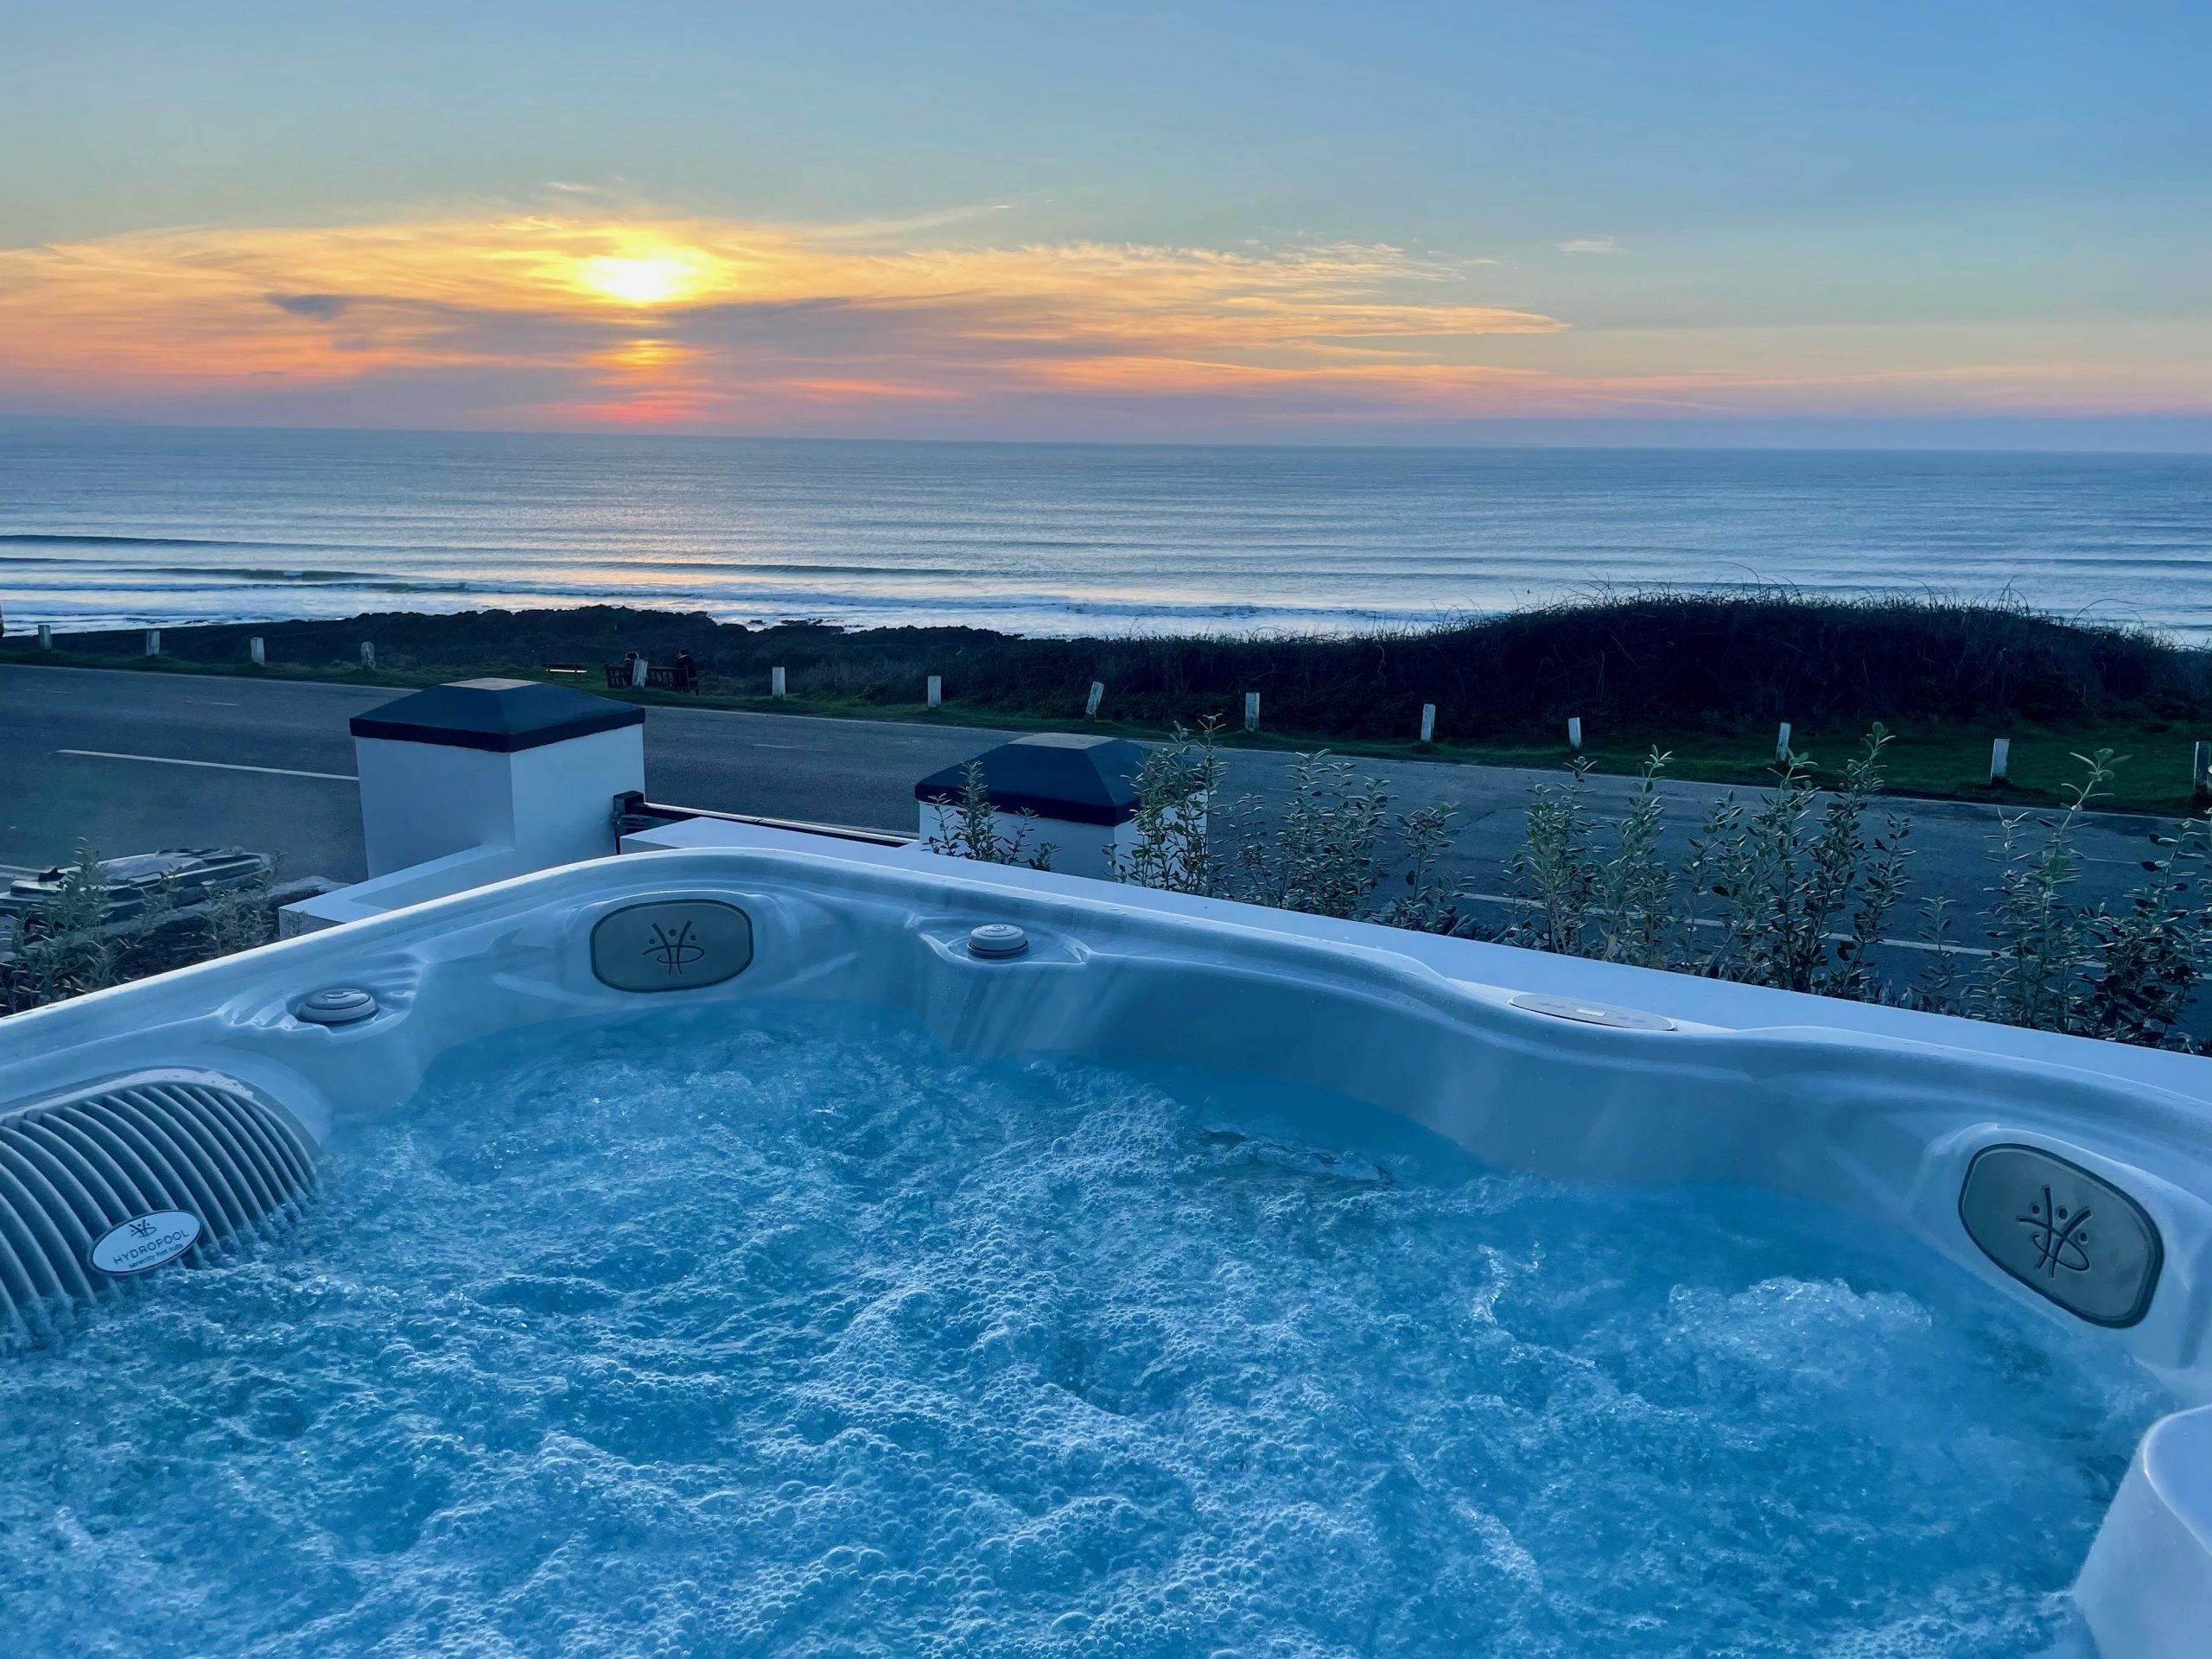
135,761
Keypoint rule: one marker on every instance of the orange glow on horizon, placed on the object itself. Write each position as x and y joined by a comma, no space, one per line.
642,356
717,324
806,321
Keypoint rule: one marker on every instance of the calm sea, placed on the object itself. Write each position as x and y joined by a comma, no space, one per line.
108,527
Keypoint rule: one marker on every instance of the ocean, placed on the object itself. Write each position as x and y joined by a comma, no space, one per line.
121,526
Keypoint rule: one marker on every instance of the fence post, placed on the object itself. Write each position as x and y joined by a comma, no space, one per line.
775,682
1428,722
46,636
1252,711
1782,745
368,655
254,652
638,671
1575,734
153,642
1098,694
2000,759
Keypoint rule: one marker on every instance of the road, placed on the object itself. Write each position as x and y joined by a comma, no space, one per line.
94,755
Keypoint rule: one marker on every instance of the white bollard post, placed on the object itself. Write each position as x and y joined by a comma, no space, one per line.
1575,734
1782,745
254,653
1252,711
368,655
638,672
2201,764
2000,759
46,636
153,642
1097,695
775,682
936,690
1428,722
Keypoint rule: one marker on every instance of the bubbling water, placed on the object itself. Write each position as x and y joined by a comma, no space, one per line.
786,1331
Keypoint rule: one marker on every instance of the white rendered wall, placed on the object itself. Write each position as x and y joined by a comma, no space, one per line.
552,805
564,794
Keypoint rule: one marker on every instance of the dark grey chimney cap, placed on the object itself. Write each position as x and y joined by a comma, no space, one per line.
1065,775
503,716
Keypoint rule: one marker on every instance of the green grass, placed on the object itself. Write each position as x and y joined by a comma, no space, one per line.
1946,761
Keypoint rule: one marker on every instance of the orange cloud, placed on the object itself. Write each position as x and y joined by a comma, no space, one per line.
538,320
686,320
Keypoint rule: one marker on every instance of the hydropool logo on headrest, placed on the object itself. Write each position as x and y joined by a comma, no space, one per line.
2030,1211
145,1242
2057,1238
676,952
671,944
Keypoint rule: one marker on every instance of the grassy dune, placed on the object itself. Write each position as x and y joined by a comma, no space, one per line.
1705,677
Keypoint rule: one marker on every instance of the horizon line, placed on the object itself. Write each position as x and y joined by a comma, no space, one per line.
1635,439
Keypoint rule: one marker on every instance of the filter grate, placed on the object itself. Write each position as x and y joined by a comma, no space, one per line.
75,1170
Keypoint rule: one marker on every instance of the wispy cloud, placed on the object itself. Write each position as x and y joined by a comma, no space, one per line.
702,321
920,326
1590,244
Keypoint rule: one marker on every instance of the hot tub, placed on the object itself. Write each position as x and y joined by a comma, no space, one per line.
734,1251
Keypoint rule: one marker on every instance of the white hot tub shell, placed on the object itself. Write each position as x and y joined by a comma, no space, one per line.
1552,1066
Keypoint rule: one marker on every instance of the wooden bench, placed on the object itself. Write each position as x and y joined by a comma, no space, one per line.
664,677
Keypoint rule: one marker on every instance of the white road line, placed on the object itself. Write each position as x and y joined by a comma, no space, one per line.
212,765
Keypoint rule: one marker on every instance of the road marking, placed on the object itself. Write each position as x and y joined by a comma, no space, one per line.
212,765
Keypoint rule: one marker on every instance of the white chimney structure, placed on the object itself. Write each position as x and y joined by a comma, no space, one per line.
478,781
495,762
1074,792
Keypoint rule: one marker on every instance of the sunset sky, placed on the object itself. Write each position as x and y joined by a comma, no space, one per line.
1960,222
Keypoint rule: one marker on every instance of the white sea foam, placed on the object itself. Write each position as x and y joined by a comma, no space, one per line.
145,526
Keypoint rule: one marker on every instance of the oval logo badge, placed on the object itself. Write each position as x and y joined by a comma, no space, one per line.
671,944
146,1241
2069,1236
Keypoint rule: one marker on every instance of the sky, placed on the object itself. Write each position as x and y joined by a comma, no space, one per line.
1959,224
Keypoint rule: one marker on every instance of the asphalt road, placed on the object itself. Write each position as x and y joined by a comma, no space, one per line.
135,761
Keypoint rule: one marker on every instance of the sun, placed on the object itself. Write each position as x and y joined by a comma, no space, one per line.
647,277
